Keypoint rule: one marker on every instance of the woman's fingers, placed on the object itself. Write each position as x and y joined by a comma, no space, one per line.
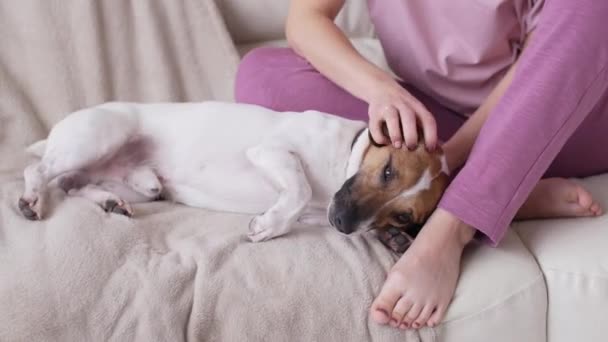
402,113
408,123
392,119
427,120
375,128
429,127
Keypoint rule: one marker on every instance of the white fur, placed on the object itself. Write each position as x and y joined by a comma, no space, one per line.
219,156
424,183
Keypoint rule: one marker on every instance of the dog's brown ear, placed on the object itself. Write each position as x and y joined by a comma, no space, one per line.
371,138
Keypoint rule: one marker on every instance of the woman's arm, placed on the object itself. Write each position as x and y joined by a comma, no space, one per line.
312,33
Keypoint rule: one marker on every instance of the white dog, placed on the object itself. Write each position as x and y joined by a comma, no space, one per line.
285,167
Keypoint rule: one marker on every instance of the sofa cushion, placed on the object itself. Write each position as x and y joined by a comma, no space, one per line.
573,255
262,20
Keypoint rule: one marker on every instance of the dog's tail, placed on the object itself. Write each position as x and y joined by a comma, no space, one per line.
37,149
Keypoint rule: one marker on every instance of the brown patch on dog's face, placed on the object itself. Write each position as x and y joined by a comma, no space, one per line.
392,188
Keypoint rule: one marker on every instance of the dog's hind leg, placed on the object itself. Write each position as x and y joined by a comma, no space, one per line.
31,202
79,141
284,169
109,201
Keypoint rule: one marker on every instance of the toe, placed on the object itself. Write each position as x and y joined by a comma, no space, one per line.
380,315
595,209
411,316
423,317
584,197
382,308
437,316
402,307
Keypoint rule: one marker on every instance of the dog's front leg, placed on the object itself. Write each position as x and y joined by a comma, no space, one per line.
284,169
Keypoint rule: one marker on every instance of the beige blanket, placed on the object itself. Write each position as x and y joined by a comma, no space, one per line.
171,273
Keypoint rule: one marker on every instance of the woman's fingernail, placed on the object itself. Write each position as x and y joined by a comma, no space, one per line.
397,144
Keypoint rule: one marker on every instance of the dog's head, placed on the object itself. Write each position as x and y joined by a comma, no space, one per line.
388,187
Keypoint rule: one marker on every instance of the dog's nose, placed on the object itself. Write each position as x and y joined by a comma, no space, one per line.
342,223
338,223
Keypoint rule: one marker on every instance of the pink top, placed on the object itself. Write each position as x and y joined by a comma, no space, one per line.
454,50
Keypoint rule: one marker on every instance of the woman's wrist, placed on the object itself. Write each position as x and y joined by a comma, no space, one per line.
375,82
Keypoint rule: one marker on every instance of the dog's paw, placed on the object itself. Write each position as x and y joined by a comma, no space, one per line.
265,227
120,207
145,182
151,191
395,239
30,209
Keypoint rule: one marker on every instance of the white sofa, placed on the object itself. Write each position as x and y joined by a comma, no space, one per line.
548,280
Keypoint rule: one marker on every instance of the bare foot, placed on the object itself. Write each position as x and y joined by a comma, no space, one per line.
558,197
421,284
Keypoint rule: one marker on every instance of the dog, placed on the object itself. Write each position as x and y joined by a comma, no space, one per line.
307,168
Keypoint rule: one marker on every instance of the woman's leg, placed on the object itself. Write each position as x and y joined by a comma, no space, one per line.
561,80
560,85
582,156
279,79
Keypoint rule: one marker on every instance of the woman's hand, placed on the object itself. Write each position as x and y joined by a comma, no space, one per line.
394,106
312,33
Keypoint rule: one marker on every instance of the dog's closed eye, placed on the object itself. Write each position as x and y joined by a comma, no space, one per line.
403,218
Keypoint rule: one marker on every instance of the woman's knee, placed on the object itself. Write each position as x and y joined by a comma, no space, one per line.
263,72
